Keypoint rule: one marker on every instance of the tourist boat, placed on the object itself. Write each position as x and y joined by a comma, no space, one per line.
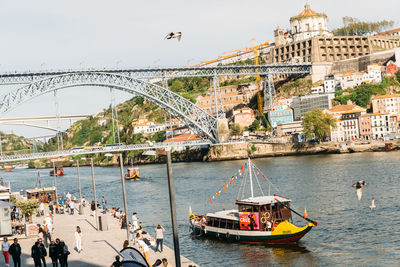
257,220
59,171
389,147
8,168
132,174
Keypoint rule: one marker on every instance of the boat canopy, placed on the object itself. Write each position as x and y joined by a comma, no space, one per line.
225,214
263,200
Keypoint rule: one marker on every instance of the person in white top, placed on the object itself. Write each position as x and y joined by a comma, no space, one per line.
134,221
78,239
41,207
5,246
72,207
159,237
144,248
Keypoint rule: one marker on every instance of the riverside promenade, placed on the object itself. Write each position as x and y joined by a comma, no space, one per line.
99,247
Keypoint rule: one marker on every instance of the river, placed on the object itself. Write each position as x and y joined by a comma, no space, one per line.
348,232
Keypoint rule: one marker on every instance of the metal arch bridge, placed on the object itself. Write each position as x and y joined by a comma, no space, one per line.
197,119
104,149
157,74
133,81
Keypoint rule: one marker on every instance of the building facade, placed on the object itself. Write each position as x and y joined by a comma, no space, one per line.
351,126
380,125
244,117
280,114
337,134
391,67
309,23
303,104
365,127
386,104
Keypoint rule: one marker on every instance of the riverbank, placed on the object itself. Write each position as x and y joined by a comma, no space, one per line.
239,150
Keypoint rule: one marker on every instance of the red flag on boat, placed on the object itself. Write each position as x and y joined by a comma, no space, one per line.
38,182
305,213
263,176
223,188
242,168
210,200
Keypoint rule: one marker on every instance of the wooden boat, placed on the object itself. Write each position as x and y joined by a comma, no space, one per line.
257,220
132,174
59,171
389,147
9,168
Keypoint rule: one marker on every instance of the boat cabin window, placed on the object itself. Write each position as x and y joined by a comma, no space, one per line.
229,225
222,224
265,207
246,208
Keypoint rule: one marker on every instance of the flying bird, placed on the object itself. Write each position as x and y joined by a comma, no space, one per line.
372,204
172,35
359,185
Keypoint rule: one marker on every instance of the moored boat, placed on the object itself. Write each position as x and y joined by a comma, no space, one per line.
59,171
257,220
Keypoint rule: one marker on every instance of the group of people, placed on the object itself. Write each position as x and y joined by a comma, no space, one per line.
58,252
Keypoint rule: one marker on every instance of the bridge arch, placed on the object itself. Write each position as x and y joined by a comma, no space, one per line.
197,119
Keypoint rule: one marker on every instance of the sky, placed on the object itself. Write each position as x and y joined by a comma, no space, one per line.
48,34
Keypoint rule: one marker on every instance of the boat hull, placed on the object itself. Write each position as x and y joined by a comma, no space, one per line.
255,237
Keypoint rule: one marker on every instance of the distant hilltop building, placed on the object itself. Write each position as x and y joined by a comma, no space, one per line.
309,40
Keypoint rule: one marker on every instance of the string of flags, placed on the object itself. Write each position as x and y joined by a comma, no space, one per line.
234,177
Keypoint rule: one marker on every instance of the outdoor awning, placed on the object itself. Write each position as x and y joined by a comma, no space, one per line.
4,204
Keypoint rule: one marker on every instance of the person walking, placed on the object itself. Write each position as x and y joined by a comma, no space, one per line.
93,208
35,254
43,252
5,246
64,254
59,251
46,234
72,206
41,208
53,253
103,204
15,251
159,237
78,239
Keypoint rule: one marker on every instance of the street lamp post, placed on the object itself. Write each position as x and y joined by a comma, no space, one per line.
80,188
121,165
55,176
94,193
173,211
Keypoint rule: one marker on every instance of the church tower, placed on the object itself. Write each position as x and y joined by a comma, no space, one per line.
309,23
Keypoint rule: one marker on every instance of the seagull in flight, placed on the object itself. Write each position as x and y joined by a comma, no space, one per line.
171,35
359,185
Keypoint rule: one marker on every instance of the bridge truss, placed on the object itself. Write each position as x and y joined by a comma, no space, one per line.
95,150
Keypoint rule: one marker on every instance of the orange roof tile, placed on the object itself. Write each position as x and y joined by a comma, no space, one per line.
388,32
385,96
343,108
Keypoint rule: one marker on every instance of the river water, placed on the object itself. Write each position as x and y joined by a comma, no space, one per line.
348,232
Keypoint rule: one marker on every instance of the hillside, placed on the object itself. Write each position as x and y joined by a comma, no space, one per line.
11,143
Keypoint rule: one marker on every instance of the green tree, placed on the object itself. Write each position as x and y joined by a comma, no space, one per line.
235,129
27,207
353,26
255,125
318,123
398,75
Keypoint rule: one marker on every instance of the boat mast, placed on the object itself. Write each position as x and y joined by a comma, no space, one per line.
251,180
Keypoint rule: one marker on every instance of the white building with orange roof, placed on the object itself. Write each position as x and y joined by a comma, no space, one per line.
147,127
380,125
337,134
337,111
386,104
309,23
